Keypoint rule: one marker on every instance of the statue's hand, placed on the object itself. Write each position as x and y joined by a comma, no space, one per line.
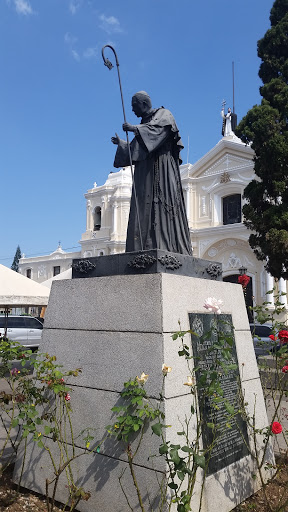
127,127
116,139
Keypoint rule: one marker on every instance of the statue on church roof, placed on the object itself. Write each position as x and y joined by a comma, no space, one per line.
155,152
229,121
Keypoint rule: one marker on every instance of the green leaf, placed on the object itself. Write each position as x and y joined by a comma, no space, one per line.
173,486
181,475
47,430
157,429
229,408
188,471
200,460
14,422
174,456
164,448
187,449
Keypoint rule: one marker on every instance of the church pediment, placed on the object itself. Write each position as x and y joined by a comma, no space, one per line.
224,158
226,164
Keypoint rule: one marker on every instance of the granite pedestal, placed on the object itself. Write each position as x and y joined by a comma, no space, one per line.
115,328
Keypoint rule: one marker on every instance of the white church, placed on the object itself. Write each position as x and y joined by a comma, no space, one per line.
213,189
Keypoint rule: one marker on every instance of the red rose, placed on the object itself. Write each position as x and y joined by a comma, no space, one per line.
272,337
283,336
285,369
276,427
243,280
67,397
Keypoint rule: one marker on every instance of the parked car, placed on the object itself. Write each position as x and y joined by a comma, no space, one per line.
262,343
26,330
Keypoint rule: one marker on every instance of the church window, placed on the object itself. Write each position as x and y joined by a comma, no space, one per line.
232,209
28,273
97,218
56,270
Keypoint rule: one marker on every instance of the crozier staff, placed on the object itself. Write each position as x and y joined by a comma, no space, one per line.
155,152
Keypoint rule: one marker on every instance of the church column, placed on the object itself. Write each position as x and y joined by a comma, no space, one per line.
269,287
282,288
187,201
103,213
89,227
114,229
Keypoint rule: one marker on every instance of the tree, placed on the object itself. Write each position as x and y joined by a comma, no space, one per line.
266,127
15,264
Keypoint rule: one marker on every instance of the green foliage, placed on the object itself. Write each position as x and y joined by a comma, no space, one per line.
265,127
133,413
278,11
38,406
15,264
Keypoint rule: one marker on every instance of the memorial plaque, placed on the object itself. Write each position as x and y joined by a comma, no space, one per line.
230,446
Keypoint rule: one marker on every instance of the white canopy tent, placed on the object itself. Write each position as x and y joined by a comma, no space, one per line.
67,274
17,290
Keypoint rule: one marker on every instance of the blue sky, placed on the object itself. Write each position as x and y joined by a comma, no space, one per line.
59,105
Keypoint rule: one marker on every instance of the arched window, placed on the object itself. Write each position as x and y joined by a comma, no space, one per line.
28,273
231,209
97,218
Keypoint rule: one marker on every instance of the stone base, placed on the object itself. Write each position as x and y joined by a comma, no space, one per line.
154,261
115,328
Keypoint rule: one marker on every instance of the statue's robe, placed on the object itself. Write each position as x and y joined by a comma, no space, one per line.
155,154
231,120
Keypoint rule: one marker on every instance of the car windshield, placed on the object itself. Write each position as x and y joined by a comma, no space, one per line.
263,331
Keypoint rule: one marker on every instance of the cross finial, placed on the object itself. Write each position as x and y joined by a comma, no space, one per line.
223,104
59,244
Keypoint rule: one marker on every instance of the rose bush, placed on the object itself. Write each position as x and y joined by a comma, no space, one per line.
283,336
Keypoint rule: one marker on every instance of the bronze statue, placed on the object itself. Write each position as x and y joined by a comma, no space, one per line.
155,152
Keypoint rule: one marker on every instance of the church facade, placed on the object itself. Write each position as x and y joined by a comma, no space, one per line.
213,189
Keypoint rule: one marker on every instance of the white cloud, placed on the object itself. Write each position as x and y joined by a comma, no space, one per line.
22,7
110,24
75,55
90,53
72,43
74,5
70,39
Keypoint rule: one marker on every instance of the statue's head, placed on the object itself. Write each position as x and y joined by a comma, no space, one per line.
141,103
229,109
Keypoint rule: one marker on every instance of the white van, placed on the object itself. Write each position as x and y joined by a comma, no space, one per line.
27,330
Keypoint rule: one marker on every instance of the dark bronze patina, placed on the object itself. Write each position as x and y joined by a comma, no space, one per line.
155,152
